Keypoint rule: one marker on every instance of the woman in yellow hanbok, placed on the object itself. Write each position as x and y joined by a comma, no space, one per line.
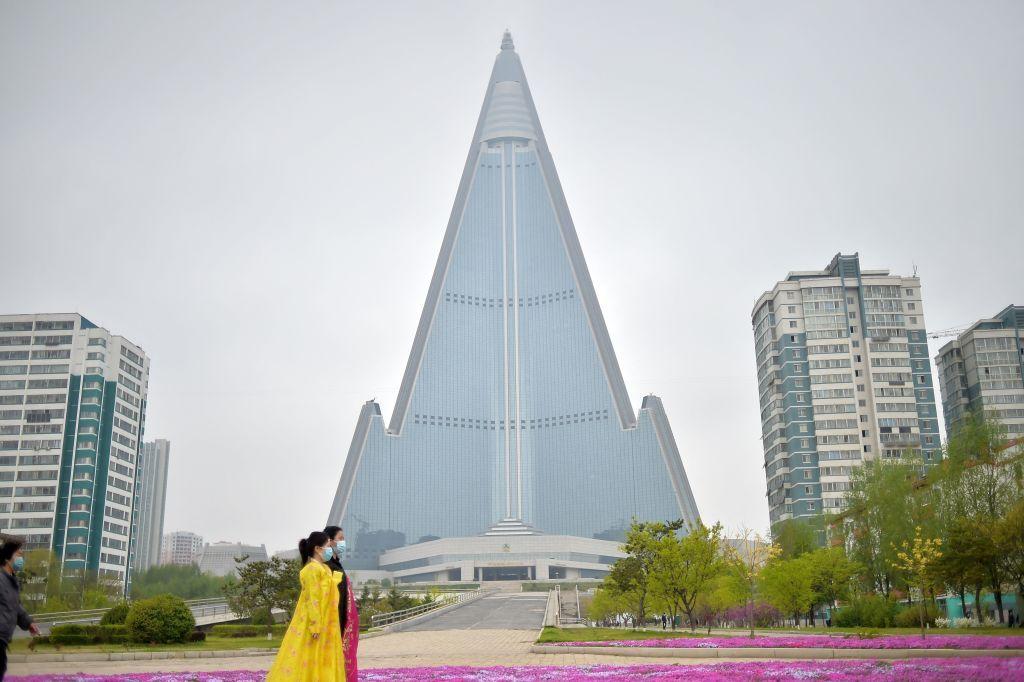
311,650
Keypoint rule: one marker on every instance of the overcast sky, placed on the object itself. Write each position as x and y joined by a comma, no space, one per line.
256,194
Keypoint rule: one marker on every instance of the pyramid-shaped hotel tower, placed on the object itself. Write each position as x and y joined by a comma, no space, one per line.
513,431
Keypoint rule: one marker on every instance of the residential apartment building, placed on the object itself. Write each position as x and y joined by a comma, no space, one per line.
844,377
181,547
982,370
72,414
150,499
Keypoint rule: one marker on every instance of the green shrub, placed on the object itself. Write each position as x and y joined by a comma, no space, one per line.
197,636
70,634
236,631
116,615
160,620
262,617
871,611
910,618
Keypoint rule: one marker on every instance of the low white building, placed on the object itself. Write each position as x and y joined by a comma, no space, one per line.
495,557
219,558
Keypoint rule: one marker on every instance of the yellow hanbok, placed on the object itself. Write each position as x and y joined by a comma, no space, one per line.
302,658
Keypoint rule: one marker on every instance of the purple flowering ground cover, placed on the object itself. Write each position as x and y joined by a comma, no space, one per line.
821,641
939,669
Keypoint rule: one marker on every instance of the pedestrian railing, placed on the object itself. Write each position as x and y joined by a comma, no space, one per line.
199,608
382,619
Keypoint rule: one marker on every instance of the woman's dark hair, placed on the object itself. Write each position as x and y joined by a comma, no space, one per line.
331,531
10,546
307,545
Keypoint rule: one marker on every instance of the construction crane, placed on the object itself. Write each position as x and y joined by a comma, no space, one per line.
945,333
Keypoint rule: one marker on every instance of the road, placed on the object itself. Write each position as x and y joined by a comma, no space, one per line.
502,611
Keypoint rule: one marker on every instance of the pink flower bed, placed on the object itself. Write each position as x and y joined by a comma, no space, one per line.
822,642
942,669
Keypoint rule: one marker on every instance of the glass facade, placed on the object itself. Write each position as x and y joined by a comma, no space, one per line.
510,409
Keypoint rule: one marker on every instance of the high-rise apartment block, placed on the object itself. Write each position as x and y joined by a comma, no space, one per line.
150,499
982,369
224,558
844,377
181,547
72,413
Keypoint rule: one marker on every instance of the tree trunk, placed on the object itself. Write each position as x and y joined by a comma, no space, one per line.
920,613
999,604
963,602
810,615
977,604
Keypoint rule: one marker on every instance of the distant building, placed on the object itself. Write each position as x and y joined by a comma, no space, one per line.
219,558
72,413
843,377
982,370
287,554
150,499
181,547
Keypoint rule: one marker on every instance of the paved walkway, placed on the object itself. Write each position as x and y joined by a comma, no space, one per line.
524,611
477,647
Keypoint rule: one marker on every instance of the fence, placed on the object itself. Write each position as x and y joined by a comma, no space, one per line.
382,619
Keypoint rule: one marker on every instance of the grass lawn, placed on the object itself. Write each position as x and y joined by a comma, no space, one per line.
1009,632
20,646
551,635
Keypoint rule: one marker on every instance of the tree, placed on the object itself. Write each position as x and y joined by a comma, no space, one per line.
186,582
714,602
887,499
795,537
917,560
831,576
744,561
632,575
683,568
981,479
264,586
786,584
959,567
1010,543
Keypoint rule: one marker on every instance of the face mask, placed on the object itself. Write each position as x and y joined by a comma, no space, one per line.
341,548
18,563
328,553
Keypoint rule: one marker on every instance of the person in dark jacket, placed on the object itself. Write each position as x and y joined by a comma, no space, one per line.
336,538
11,611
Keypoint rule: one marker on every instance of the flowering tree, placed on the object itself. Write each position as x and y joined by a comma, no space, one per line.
917,561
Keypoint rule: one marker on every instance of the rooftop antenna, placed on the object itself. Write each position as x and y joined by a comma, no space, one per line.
915,269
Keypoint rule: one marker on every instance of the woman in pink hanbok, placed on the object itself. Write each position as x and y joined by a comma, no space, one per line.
348,614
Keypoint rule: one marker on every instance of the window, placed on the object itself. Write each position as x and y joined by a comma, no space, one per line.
858,372
791,309
856,343
858,358
806,459
804,444
803,428
853,330
792,324
810,506
807,474
920,378
911,306
789,295
863,419
849,299
913,320
909,292
853,315
860,388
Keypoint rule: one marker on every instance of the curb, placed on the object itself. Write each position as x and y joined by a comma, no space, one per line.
764,652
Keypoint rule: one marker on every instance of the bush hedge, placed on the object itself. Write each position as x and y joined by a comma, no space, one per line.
910,618
235,631
872,611
160,620
116,615
75,634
